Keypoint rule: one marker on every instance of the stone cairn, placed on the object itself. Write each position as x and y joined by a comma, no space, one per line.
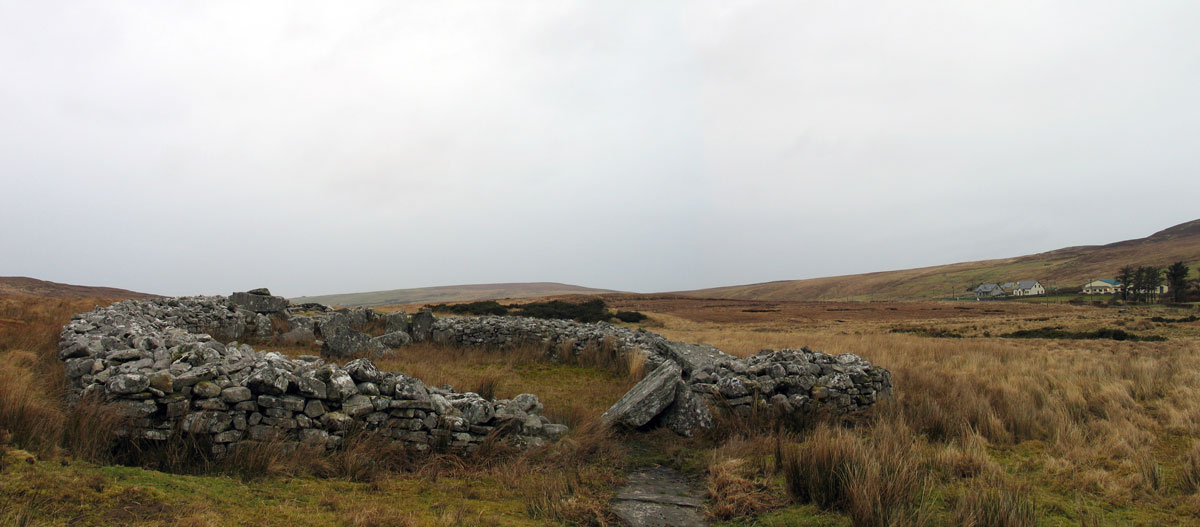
165,362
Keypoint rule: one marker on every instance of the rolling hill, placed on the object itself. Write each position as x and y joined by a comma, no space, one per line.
25,286
1067,267
451,293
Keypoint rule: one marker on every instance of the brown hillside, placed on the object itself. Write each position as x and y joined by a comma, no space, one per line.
25,286
1067,267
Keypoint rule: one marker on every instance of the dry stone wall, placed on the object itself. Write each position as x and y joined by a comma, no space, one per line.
686,380
157,359
165,360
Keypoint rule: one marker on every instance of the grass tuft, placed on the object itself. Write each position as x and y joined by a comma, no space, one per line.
1189,479
738,489
995,503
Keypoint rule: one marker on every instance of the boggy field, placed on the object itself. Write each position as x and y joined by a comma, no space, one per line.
982,430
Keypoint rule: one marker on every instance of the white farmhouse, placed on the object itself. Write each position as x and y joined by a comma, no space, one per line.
1028,288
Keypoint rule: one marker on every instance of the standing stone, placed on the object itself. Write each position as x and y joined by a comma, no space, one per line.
396,321
332,324
422,325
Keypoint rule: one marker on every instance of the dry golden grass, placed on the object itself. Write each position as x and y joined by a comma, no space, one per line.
981,430
1189,479
1099,421
995,502
32,409
736,490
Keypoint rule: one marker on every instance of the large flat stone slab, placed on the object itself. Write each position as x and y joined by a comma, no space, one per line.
260,303
659,497
692,357
647,398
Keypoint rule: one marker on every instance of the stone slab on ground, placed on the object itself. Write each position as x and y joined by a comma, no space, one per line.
646,399
659,497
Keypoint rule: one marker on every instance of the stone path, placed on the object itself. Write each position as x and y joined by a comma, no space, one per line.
659,497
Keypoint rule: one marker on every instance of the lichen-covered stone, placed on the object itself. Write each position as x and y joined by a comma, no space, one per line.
688,413
647,398
128,383
395,339
421,326
173,375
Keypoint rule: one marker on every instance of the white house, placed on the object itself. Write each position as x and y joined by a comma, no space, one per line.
1028,288
1101,287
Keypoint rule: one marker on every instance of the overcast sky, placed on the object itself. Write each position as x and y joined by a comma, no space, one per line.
324,147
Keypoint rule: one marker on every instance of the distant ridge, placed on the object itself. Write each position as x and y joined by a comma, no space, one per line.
1067,267
452,293
25,286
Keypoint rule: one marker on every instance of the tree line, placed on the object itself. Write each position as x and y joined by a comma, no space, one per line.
1141,284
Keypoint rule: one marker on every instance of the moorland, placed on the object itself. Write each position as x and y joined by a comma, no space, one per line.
983,429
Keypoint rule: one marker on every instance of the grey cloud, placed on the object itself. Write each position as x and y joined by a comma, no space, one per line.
318,148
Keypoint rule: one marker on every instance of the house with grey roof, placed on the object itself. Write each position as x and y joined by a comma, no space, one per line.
988,291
